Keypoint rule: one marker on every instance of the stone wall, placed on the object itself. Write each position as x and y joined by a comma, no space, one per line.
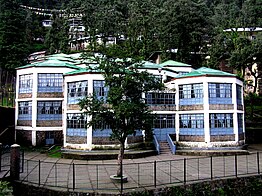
50,95
190,107
191,138
240,107
222,138
73,107
41,137
134,139
76,139
24,137
221,106
162,107
24,123
24,95
103,141
49,123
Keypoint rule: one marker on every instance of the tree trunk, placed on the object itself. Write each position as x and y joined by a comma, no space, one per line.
120,159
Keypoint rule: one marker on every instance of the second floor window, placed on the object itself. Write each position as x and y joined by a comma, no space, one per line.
76,91
220,93
239,95
49,110
25,83
160,98
50,82
100,90
190,94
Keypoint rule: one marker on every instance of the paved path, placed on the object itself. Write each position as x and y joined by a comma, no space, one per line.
148,172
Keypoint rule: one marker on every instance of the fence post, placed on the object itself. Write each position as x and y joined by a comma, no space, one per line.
211,167
236,165
258,169
184,170
1,156
15,162
73,176
39,172
155,173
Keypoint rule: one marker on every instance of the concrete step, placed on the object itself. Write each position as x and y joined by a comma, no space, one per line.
164,148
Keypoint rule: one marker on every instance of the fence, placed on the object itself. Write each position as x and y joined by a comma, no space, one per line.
95,177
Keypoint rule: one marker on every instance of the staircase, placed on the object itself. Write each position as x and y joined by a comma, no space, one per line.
164,148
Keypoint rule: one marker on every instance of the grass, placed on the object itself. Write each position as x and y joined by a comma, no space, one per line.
55,152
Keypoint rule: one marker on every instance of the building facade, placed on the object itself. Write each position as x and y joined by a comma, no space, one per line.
199,108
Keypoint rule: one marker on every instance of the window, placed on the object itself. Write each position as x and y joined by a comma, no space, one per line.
221,124
240,123
76,91
239,95
191,124
191,94
220,93
76,124
25,110
101,129
164,121
50,82
49,110
160,98
25,83
100,90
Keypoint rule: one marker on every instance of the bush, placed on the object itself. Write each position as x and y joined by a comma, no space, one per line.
5,189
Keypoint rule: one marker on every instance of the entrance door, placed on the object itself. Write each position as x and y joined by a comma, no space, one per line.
49,138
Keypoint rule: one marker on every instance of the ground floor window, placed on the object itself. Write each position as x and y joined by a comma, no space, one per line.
76,124
221,124
25,110
191,124
240,123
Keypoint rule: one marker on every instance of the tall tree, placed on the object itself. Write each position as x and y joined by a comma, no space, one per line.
13,46
57,37
124,109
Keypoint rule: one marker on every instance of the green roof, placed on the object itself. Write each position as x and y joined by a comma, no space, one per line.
204,71
149,65
50,63
172,63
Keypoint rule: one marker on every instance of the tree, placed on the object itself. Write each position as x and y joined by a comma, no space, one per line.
124,109
57,36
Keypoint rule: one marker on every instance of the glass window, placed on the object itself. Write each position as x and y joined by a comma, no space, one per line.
76,91
160,98
50,82
25,83
100,90
239,94
25,110
190,94
240,123
221,124
164,121
76,124
49,110
195,121
220,93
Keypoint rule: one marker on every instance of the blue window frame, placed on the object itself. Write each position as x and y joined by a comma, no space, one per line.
25,83
76,125
221,124
100,90
191,124
25,110
240,123
191,94
164,121
49,110
239,95
76,91
50,82
220,93
160,98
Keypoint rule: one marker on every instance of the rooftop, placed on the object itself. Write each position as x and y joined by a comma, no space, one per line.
172,63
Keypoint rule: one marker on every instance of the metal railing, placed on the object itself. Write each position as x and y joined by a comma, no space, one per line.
171,144
95,177
156,143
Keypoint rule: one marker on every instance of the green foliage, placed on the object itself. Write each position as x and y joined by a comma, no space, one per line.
5,189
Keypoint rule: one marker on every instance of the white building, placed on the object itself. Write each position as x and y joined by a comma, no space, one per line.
200,108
